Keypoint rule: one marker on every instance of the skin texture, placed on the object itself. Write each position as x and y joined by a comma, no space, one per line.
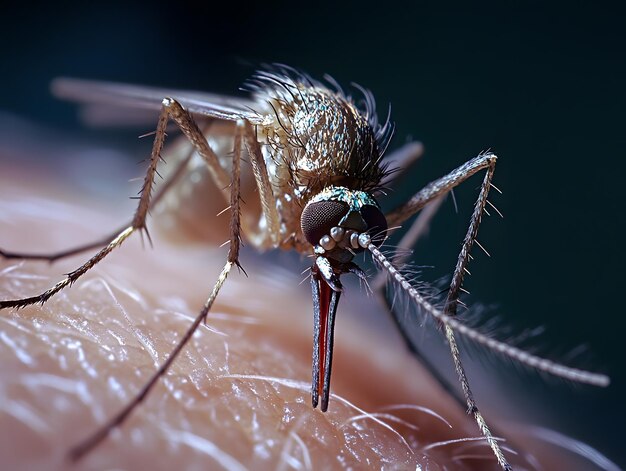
238,397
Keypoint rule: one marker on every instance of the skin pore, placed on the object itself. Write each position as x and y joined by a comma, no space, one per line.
238,396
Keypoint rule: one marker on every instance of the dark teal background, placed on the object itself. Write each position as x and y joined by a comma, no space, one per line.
542,86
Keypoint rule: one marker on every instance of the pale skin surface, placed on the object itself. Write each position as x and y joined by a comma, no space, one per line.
71,364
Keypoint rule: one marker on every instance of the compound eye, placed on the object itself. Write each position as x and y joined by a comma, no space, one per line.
319,217
376,223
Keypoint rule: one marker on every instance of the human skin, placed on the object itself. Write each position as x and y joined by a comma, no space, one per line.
238,396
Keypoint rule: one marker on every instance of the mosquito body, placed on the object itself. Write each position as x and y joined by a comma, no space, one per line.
316,158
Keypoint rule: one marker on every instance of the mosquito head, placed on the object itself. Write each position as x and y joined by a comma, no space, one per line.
332,222
334,218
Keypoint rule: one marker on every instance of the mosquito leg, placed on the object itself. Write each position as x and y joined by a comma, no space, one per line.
439,187
52,257
446,317
191,130
450,309
233,259
468,242
170,109
268,200
430,192
138,223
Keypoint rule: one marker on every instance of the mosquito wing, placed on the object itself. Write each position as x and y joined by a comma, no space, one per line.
111,95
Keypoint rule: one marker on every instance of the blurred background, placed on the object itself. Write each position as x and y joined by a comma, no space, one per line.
541,86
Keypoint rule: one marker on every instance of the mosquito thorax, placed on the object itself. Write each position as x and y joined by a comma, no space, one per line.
322,126
334,218
319,135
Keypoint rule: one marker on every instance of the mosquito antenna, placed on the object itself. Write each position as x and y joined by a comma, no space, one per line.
517,354
452,325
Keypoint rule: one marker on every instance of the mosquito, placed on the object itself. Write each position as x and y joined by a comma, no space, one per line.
316,156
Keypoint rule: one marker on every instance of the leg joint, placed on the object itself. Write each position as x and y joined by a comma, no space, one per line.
490,157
